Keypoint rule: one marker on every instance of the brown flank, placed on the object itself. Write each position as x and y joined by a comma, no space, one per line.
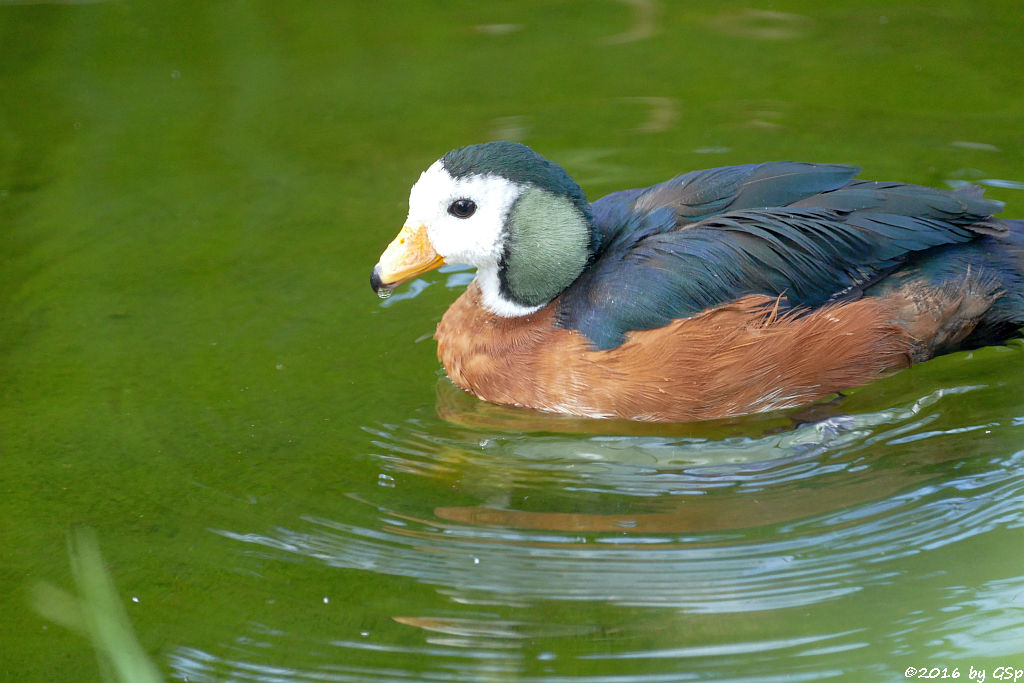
744,357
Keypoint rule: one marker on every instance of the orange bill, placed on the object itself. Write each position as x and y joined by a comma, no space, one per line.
410,254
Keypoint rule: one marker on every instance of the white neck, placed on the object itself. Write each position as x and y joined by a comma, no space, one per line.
491,297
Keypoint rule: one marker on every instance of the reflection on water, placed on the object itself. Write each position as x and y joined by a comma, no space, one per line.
643,22
761,521
830,509
761,24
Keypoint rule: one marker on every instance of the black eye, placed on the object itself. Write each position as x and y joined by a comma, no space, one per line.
462,208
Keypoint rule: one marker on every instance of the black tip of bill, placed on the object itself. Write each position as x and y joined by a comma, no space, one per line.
382,290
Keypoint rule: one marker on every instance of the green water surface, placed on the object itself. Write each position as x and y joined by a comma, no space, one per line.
282,483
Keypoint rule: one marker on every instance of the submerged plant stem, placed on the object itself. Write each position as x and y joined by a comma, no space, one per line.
96,613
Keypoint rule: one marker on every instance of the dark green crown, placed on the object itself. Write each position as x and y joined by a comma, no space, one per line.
517,163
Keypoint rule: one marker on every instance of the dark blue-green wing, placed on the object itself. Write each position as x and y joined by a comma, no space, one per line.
697,195
658,266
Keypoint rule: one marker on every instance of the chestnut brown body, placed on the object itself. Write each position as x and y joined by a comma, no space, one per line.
743,357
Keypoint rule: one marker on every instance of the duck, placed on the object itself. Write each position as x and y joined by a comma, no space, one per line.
715,294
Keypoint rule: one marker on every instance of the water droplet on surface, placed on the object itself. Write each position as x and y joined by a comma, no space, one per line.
384,293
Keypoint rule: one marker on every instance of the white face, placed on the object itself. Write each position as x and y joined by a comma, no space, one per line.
476,239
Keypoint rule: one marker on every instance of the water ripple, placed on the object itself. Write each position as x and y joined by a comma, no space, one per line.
731,524
736,526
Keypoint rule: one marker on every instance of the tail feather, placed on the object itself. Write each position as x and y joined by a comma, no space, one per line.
1007,256
992,263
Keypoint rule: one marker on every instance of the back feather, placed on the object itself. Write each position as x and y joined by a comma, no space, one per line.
802,232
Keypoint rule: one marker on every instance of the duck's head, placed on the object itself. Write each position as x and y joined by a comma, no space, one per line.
499,206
